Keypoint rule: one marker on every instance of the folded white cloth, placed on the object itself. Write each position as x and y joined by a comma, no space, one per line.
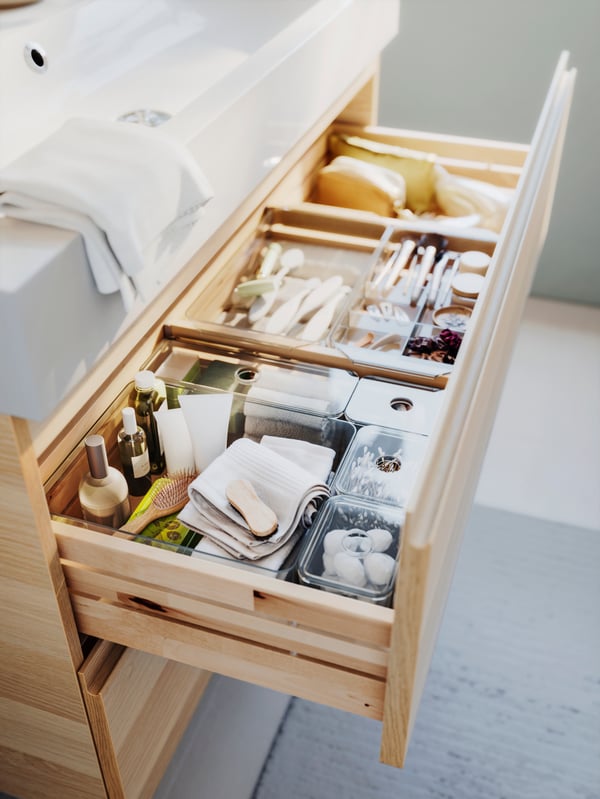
270,563
132,193
287,488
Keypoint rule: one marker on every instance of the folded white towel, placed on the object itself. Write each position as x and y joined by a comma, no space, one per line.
271,563
288,489
132,193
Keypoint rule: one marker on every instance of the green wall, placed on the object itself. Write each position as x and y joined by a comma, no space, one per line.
482,68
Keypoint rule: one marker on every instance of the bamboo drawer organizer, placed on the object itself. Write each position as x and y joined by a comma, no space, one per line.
328,648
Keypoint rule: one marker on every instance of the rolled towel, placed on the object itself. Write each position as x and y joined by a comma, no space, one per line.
271,412
297,384
285,487
132,192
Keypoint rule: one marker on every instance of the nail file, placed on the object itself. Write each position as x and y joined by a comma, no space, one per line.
278,322
259,517
318,324
320,295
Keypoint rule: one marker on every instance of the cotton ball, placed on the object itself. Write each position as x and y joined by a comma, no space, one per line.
379,568
328,564
357,541
332,542
349,569
380,538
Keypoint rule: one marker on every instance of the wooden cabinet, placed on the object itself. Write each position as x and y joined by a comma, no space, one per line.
332,649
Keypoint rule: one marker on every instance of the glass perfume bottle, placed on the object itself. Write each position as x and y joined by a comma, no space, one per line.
146,401
133,451
103,491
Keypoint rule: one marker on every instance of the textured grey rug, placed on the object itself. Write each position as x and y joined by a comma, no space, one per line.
511,709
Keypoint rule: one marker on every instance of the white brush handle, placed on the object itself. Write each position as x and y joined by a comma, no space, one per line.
404,254
427,262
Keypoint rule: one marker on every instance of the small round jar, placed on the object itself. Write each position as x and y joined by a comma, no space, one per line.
474,262
466,287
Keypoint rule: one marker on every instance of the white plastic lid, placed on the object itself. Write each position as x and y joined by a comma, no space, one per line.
474,261
144,380
467,284
129,422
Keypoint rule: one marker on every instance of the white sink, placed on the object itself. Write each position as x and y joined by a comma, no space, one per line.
242,82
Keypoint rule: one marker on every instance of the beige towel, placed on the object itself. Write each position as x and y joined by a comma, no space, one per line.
286,487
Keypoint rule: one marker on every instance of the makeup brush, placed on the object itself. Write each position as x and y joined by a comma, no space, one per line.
167,495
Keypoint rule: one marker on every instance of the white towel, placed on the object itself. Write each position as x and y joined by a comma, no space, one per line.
132,193
288,489
271,563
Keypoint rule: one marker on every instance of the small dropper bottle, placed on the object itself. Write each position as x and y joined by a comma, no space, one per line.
133,450
103,492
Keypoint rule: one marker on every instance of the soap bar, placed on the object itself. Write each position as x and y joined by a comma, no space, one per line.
352,183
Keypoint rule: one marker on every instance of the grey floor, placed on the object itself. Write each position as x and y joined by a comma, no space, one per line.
511,708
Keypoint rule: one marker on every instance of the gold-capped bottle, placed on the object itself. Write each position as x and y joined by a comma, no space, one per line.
146,402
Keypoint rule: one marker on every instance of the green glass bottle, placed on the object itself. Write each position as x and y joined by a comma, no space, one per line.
133,450
146,402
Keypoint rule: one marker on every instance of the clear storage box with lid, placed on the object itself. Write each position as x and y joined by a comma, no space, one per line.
381,465
352,549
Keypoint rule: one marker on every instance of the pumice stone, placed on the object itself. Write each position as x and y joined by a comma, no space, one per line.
349,569
379,568
381,540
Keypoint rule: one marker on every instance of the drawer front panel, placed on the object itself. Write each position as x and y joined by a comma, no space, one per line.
433,529
278,634
138,704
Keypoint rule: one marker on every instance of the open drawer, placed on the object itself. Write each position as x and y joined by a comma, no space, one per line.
359,656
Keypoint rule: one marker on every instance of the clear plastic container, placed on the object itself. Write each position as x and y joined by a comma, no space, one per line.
249,419
400,407
381,465
352,549
313,389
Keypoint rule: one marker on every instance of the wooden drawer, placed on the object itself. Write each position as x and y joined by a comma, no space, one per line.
139,706
332,649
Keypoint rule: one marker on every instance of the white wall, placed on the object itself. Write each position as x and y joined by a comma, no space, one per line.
482,68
